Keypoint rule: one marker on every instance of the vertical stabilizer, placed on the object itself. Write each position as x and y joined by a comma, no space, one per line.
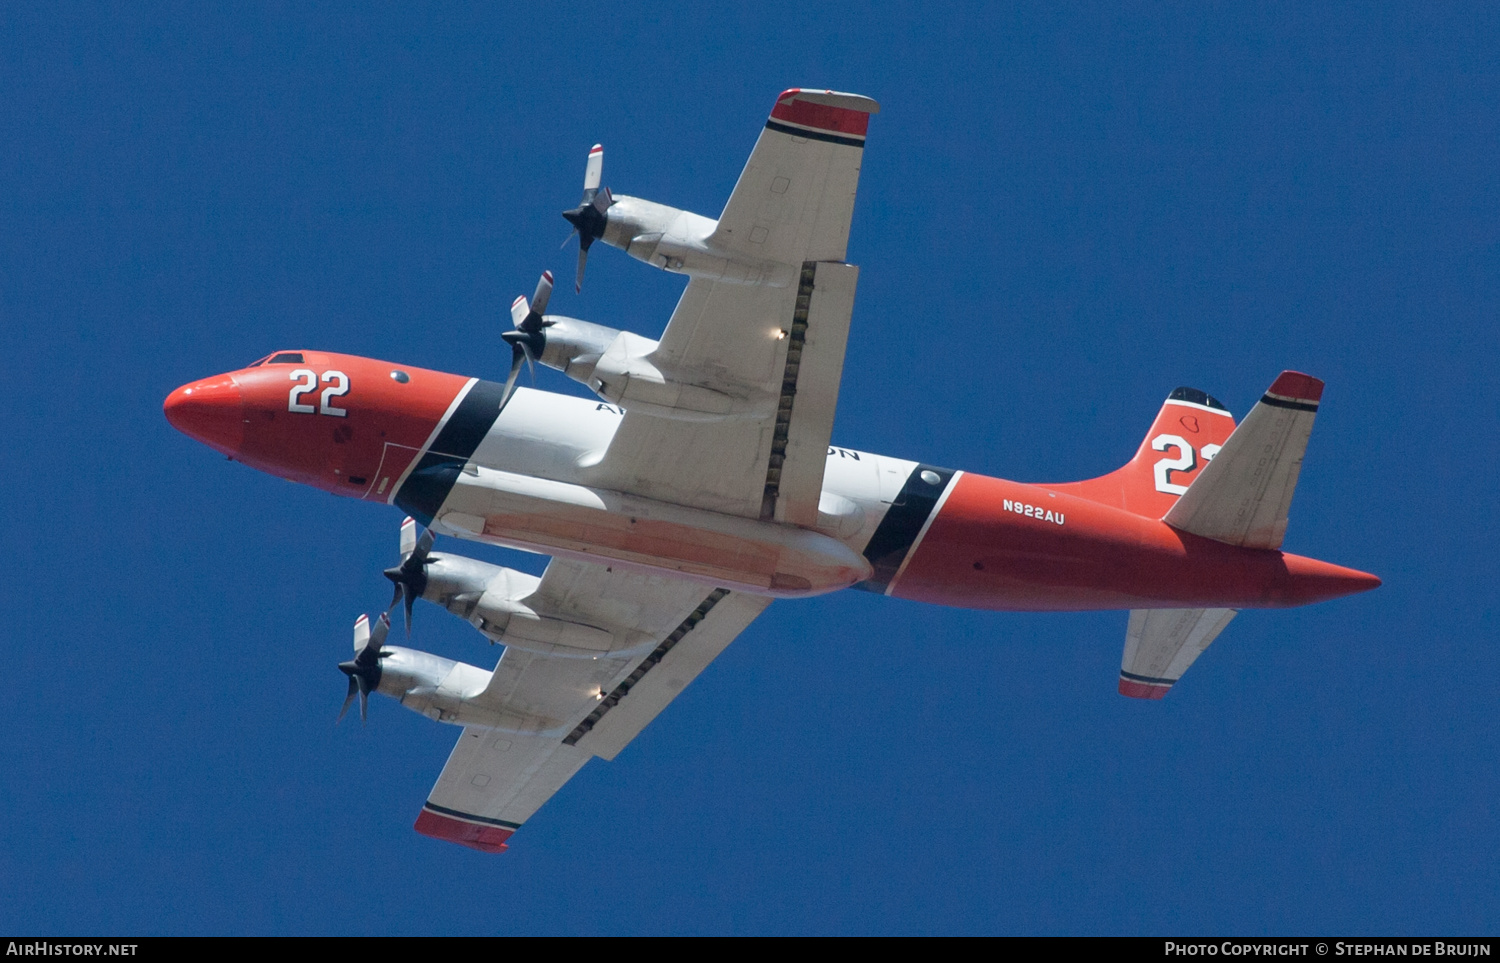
1187,433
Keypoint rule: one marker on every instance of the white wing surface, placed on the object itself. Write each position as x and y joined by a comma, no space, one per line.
561,710
777,346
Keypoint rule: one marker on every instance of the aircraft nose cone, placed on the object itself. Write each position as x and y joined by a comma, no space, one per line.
211,411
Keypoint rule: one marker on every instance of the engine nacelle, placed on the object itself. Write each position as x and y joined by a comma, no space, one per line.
628,374
682,242
452,692
619,367
574,347
436,687
495,600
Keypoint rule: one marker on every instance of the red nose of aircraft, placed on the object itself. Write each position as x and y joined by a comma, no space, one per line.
211,411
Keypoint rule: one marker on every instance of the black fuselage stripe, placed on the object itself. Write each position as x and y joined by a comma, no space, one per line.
428,485
815,134
469,817
1146,678
1284,403
903,522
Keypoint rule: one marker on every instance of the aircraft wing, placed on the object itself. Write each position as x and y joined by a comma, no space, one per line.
568,709
779,342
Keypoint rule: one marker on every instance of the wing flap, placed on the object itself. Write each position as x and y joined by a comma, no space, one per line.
818,335
1244,496
1160,644
666,672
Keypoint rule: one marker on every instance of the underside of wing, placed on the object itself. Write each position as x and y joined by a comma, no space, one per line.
559,710
767,460
762,358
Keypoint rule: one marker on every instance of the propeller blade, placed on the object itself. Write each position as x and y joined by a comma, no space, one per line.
424,544
543,295
517,354
594,172
603,201
519,309
361,633
583,256
530,361
353,688
378,634
408,537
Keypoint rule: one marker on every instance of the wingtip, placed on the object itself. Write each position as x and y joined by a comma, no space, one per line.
825,110
485,838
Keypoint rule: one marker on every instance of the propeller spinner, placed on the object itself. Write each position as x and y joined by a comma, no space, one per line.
364,669
410,576
589,217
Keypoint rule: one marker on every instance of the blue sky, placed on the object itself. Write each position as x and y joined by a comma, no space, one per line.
1064,213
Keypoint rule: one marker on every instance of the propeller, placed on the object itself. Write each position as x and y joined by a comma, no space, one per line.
589,217
410,576
528,341
364,669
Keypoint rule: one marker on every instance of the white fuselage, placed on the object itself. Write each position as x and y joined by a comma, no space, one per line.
530,485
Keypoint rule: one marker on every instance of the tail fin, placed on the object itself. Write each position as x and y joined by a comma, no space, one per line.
1243,498
1186,435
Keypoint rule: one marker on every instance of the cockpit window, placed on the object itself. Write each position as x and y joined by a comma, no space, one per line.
286,357
257,364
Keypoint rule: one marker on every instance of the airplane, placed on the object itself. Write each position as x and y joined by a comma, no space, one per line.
701,484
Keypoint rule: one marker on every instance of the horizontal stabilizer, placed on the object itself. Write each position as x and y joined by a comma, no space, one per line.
1243,496
1160,644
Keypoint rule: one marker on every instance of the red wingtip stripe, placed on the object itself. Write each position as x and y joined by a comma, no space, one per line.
486,839
1142,690
835,120
1295,384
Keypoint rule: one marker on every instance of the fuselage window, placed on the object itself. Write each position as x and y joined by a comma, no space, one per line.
286,357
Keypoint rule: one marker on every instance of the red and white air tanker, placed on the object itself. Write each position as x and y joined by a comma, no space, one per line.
701,485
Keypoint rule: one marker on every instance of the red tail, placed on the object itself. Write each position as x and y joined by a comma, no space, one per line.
1187,433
